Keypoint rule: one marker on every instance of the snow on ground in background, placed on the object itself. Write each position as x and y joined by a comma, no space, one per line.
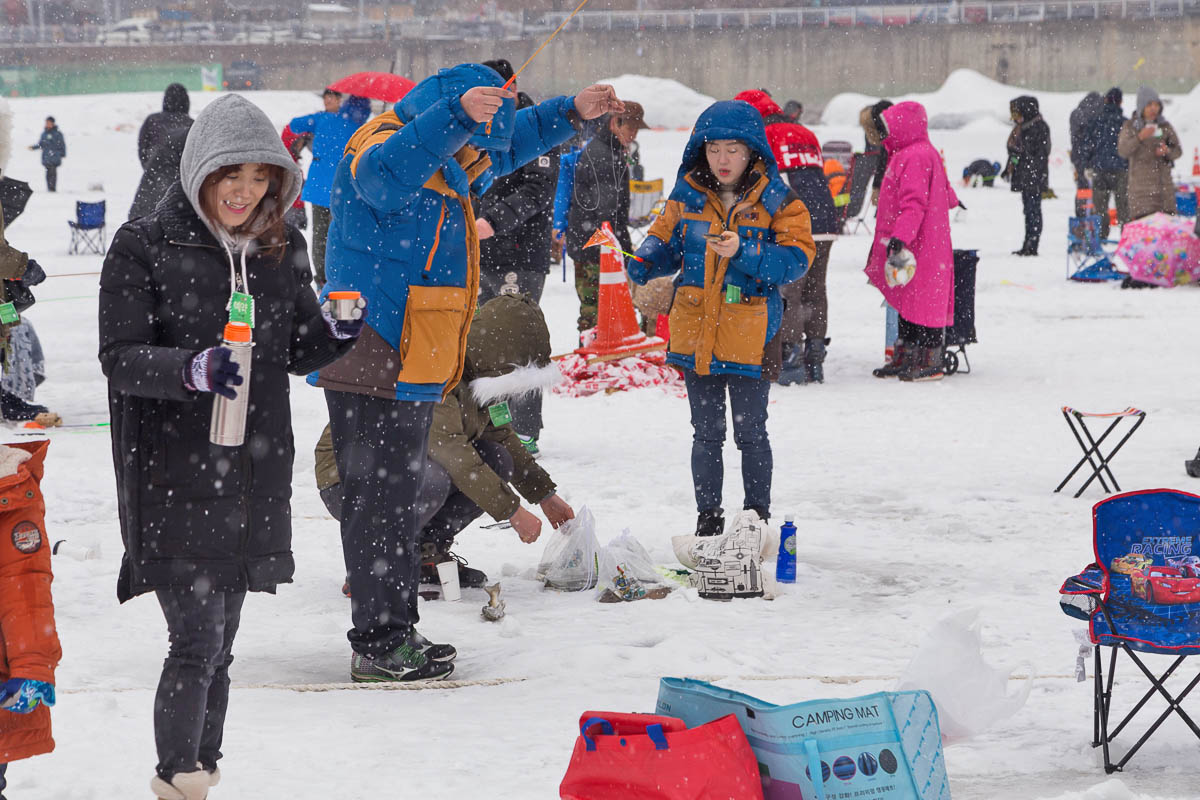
913,501
668,103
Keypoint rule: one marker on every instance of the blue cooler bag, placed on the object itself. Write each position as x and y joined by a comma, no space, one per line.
884,746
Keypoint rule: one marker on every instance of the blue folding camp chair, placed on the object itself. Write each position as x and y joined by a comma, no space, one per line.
87,229
1142,595
1087,260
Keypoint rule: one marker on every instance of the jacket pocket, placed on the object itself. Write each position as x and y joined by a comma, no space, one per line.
686,318
742,331
433,323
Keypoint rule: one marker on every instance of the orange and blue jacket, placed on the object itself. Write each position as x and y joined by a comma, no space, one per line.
402,230
725,310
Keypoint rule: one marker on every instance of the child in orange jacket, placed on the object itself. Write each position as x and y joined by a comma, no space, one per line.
29,649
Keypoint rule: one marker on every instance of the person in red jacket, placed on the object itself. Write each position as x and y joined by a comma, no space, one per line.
295,144
806,304
29,649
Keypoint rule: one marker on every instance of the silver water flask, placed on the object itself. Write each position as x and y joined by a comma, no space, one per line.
228,427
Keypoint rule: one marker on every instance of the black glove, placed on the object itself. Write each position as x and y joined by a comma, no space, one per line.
894,246
16,409
34,274
19,295
212,370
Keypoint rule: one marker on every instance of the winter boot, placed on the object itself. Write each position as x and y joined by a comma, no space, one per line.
926,365
814,360
182,786
1193,466
1029,248
432,555
763,513
898,364
405,663
214,774
711,522
793,370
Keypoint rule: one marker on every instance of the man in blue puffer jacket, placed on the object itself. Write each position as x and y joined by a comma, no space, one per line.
330,132
404,234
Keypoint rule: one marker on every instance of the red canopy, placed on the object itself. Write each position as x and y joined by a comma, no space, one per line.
377,85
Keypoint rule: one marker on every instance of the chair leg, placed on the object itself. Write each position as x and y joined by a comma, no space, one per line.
1105,460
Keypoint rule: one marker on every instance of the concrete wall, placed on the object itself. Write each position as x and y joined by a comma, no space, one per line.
811,64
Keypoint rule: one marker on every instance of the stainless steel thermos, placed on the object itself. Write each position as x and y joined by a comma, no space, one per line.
228,427
345,305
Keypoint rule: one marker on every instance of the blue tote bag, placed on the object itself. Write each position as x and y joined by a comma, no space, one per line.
883,746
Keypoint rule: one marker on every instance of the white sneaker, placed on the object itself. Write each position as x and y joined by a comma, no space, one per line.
183,786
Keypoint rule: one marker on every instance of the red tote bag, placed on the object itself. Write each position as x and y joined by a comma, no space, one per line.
626,756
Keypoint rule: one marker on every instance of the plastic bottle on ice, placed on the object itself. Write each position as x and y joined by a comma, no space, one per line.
785,563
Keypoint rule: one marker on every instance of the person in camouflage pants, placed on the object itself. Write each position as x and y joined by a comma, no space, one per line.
587,287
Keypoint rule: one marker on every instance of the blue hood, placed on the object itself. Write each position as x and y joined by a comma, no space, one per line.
453,83
729,119
356,109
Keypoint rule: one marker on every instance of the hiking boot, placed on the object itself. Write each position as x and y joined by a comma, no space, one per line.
711,522
793,370
435,652
925,366
1029,248
814,360
530,443
898,364
468,577
405,663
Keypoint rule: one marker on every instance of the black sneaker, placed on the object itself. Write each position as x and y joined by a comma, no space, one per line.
436,652
405,663
468,577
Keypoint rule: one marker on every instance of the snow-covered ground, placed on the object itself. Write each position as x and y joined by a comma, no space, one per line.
913,501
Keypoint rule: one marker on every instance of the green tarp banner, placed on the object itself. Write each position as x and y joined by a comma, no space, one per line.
75,79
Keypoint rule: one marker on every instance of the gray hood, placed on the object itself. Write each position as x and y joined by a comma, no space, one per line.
232,130
1145,97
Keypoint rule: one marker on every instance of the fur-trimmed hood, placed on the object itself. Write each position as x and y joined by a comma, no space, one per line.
508,351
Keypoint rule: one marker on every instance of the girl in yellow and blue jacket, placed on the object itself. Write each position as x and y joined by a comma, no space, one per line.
734,232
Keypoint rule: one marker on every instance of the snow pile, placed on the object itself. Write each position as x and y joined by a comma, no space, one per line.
1109,790
668,103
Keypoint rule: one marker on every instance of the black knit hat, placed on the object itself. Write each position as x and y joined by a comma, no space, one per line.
1114,96
502,67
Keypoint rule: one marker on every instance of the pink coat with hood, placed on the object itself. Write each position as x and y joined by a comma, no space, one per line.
914,207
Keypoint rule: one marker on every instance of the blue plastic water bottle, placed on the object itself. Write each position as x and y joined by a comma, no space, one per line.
785,563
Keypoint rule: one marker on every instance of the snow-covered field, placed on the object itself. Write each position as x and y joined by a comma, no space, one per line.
913,501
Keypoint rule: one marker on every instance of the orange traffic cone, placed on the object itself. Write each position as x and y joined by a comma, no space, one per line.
617,328
1196,162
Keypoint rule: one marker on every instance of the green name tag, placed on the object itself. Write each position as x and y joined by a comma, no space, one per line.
500,414
8,314
241,309
733,294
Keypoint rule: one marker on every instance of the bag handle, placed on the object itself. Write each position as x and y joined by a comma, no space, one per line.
814,768
605,727
656,734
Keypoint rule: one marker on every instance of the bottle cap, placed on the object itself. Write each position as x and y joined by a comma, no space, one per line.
789,518
344,295
237,332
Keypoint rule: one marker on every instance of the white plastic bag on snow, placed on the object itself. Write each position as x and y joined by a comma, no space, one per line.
634,562
570,560
970,694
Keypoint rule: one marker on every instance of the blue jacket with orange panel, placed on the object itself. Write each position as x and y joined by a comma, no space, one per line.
725,310
403,230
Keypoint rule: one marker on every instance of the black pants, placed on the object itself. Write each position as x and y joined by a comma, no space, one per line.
748,401
381,452
1031,203
806,309
444,510
321,218
526,410
51,177
193,691
913,334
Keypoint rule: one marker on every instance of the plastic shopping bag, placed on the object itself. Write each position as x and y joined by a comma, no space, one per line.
570,560
627,569
728,565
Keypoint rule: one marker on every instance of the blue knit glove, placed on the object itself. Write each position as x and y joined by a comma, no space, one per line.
212,370
22,695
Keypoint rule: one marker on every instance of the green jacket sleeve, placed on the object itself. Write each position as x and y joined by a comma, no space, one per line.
12,260
450,447
533,482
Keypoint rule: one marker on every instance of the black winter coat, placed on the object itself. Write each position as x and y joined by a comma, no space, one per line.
812,187
1029,148
520,207
1102,135
601,194
193,514
160,164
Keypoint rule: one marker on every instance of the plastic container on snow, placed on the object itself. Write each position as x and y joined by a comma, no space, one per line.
785,563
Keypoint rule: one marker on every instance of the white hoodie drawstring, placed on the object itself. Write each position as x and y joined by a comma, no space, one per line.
233,273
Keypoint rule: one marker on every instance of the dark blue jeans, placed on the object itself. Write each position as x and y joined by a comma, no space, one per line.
748,401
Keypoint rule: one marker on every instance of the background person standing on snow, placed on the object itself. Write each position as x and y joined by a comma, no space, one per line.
1110,172
914,215
54,150
202,524
1151,145
1028,166
404,234
745,234
160,147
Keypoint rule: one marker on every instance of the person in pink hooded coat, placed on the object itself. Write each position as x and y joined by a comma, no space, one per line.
914,214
